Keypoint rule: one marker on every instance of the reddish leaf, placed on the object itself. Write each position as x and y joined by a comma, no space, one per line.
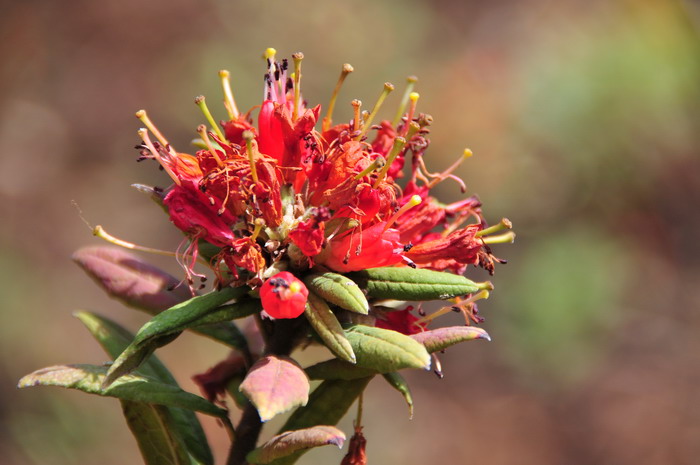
275,385
129,279
438,339
289,442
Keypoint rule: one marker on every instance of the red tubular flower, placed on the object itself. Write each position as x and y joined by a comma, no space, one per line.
402,321
283,296
370,248
195,218
453,252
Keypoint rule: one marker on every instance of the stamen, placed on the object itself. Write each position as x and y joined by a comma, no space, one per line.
399,143
99,231
141,114
445,310
410,83
328,120
438,178
378,163
413,129
297,57
415,200
388,87
502,225
143,133
248,136
259,223
202,104
202,130
357,119
229,101
411,111
507,238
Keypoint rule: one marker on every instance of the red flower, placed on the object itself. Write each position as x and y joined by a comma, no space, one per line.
369,248
402,321
283,296
453,252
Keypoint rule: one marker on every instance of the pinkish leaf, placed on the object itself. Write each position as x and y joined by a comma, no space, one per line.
289,442
129,279
274,385
438,339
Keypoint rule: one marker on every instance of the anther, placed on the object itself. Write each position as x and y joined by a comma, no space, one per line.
388,88
248,136
202,104
202,130
413,97
378,163
259,223
410,83
229,101
414,200
143,133
448,172
297,57
328,120
501,226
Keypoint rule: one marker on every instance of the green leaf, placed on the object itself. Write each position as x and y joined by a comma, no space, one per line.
114,339
324,322
126,277
338,290
327,405
414,284
154,429
437,339
384,350
135,388
290,442
274,385
399,383
337,369
167,326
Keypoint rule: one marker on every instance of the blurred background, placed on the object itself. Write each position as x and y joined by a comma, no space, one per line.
584,120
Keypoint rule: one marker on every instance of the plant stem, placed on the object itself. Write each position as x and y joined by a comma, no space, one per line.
282,339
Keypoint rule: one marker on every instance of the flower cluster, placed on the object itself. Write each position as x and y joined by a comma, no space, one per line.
329,230
284,195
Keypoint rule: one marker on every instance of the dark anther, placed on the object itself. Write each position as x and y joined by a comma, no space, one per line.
456,309
203,279
407,247
412,265
289,86
285,64
439,374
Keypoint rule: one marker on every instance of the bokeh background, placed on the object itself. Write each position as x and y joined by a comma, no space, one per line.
584,120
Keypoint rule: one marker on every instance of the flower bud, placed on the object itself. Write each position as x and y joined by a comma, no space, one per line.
283,296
